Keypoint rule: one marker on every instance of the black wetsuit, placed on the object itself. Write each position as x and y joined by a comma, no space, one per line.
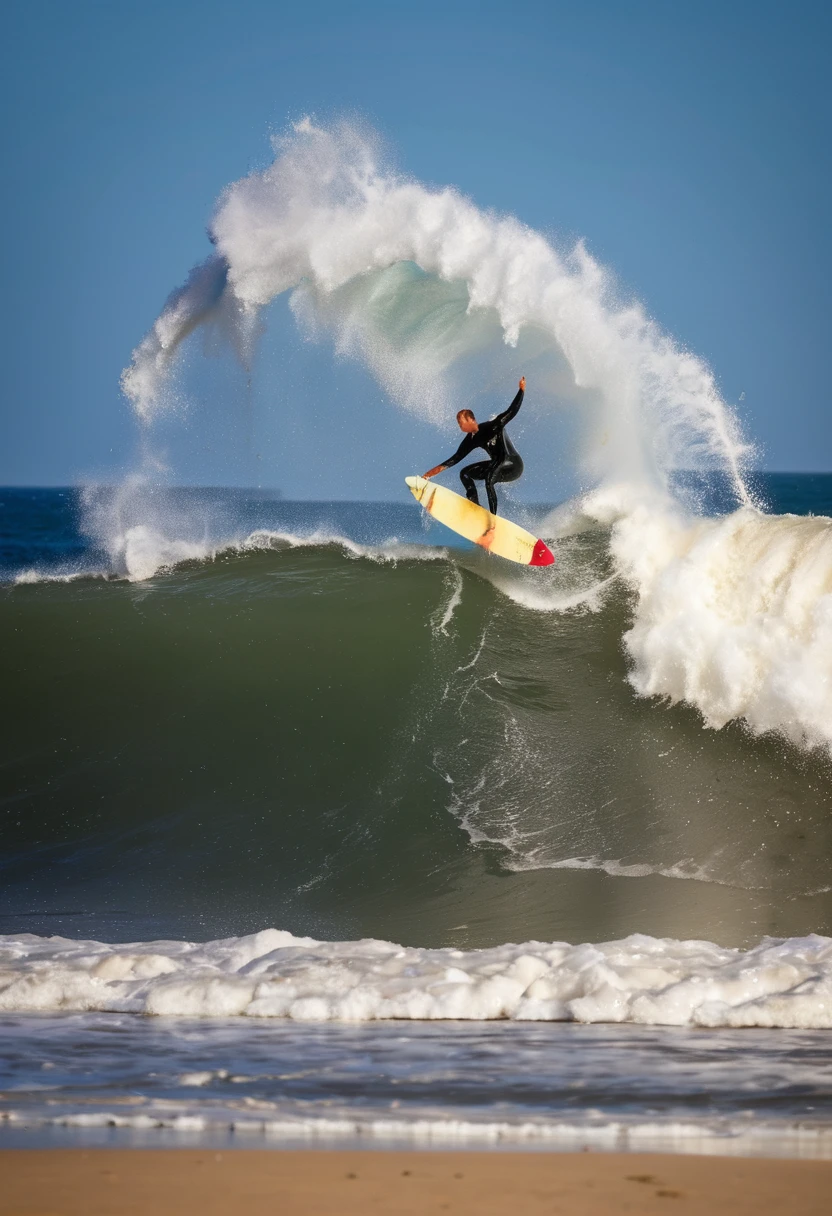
504,463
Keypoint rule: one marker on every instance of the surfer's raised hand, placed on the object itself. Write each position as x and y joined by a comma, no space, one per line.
522,384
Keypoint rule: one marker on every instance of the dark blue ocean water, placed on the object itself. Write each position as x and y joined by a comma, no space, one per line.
44,529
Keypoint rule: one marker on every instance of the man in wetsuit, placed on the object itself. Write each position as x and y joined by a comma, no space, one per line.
503,464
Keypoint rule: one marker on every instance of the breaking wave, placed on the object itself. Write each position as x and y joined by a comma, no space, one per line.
731,614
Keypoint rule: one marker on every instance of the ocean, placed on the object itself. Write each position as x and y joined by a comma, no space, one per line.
321,826
337,748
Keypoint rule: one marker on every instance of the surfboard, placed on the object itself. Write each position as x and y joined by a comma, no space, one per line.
491,532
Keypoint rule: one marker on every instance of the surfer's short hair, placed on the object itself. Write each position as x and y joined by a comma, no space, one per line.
465,414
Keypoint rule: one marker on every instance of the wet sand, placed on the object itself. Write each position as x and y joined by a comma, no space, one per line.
176,1182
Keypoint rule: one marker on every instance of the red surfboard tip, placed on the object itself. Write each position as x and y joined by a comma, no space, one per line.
542,555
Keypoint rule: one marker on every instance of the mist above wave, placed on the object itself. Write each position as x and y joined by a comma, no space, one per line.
328,213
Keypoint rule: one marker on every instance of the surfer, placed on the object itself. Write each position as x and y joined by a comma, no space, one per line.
503,464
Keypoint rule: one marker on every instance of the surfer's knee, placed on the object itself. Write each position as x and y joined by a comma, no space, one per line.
512,470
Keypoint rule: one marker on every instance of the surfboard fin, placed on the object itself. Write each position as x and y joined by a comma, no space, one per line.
542,555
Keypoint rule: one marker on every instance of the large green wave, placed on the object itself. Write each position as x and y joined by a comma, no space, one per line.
349,747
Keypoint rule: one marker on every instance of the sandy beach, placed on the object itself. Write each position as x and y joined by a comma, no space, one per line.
163,1183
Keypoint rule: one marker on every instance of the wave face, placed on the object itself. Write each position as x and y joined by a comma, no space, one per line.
342,728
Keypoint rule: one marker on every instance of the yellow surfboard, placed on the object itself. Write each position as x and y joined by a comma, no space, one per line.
490,532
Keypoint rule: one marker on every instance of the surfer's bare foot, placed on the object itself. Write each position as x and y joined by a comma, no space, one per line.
487,538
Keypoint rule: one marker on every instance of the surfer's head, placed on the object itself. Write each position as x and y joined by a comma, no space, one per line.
467,422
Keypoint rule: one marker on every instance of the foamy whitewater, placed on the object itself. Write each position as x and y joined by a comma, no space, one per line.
272,974
733,615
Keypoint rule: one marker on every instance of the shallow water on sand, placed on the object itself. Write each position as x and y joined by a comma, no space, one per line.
114,1080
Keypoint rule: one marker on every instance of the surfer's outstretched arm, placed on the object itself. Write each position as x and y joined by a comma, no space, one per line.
468,444
511,412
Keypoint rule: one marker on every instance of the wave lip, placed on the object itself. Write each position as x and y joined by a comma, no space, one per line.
272,974
142,552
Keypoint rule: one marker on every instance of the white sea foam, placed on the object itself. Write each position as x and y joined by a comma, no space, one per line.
445,613
31,576
271,974
615,867
733,615
388,552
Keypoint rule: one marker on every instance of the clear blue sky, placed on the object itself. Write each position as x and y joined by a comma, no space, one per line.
688,142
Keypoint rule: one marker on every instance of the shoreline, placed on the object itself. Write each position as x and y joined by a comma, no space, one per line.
114,1133
168,1182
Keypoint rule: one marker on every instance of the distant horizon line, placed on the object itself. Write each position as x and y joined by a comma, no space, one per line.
276,490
